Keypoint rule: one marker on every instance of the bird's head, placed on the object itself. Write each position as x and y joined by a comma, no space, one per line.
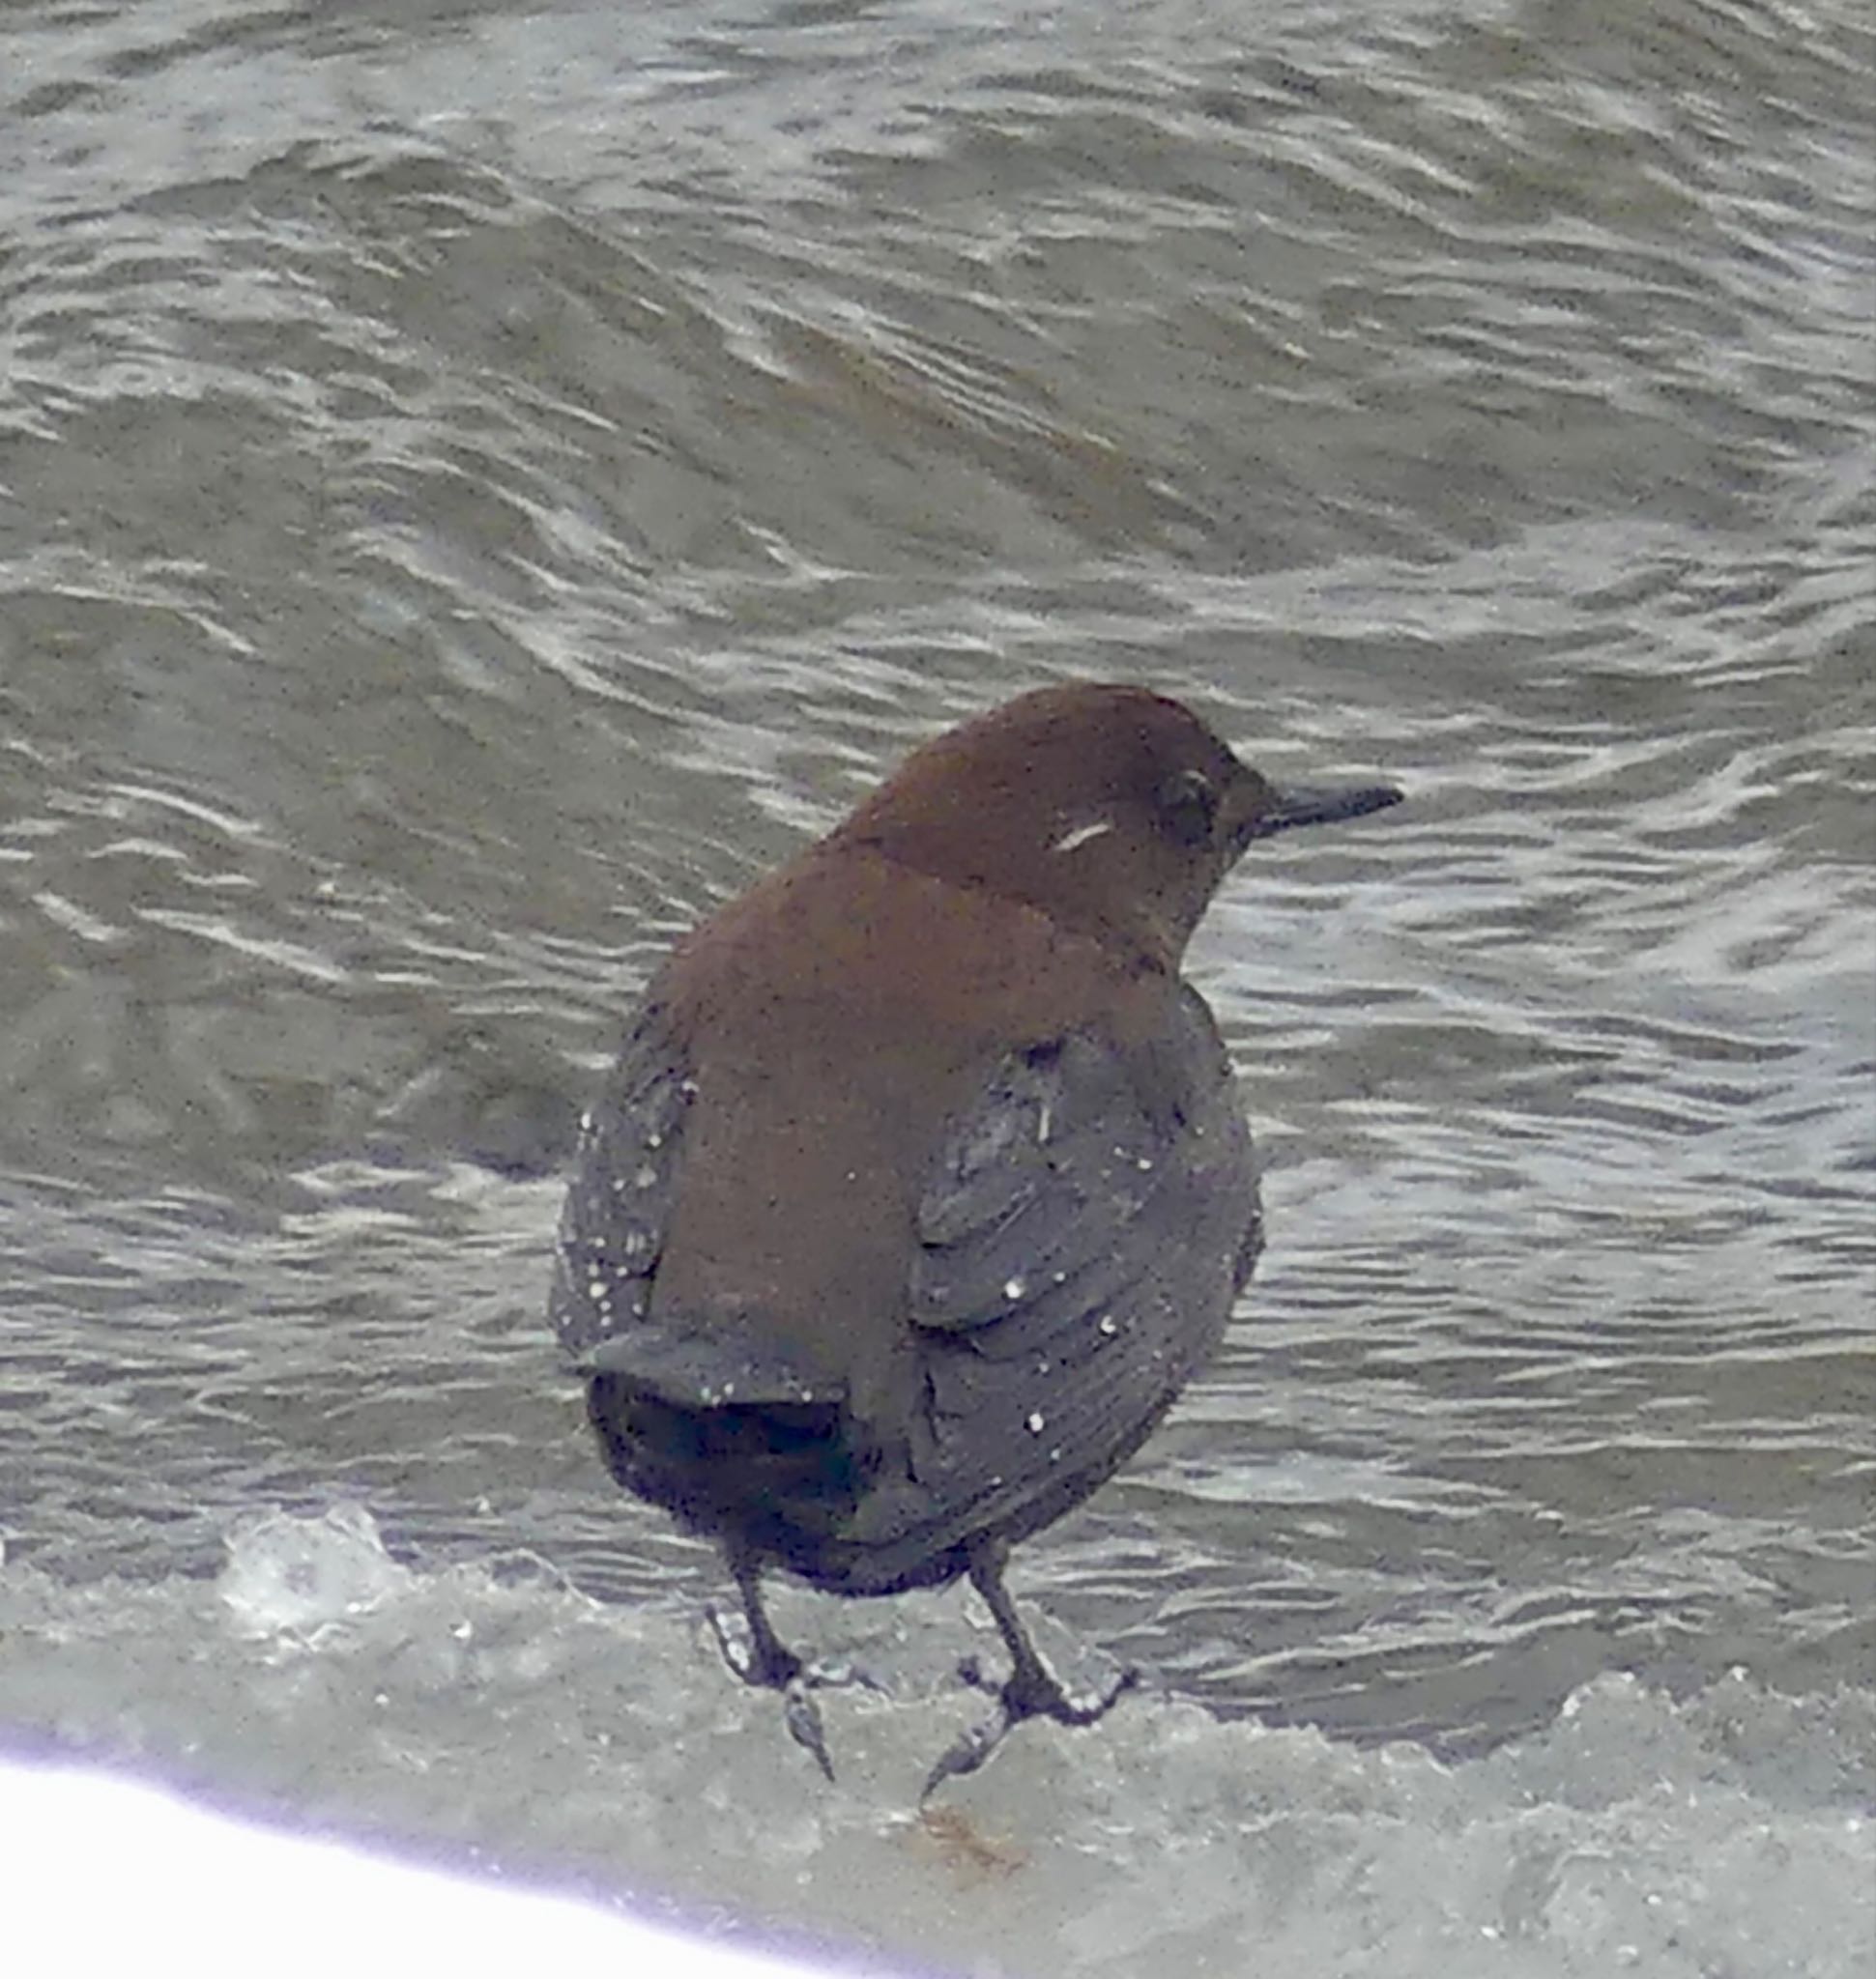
1111,808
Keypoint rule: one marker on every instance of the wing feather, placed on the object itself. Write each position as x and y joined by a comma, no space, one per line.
1083,1239
613,1227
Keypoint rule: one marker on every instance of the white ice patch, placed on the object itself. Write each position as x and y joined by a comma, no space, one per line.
294,1576
1625,1830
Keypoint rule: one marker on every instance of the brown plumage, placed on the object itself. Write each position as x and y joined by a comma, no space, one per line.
921,1186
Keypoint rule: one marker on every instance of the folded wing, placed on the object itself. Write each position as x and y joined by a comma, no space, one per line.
1081,1240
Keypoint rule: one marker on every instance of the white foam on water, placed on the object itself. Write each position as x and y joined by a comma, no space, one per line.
526,1731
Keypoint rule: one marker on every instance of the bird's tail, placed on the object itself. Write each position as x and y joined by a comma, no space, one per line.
719,1424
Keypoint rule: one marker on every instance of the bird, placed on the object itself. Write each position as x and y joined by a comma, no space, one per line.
920,1186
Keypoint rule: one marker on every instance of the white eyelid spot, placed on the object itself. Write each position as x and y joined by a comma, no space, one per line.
1080,835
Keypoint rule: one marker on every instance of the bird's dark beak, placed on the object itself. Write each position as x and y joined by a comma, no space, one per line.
1314,804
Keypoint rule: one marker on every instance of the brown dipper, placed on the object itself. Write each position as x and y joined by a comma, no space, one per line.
920,1187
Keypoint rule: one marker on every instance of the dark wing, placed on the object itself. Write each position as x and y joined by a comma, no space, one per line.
1084,1234
612,1237
618,1203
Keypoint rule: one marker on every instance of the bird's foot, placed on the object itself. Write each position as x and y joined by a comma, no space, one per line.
762,1664
770,1665
802,1717
964,1755
774,1666
821,1675
1026,1694
766,1664
1035,1693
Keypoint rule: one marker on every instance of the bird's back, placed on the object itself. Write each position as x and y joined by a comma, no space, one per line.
848,1224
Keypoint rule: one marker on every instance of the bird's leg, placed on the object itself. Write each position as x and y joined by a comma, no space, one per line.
770,1664
1030,1691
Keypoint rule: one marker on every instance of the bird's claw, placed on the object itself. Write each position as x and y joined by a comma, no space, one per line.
1040,1697
802,1717
781,1670
1056,1703
966,1754
842,1677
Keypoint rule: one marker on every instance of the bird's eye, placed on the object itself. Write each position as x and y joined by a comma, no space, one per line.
1188,806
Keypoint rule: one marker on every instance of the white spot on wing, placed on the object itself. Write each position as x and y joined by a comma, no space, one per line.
1081,835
